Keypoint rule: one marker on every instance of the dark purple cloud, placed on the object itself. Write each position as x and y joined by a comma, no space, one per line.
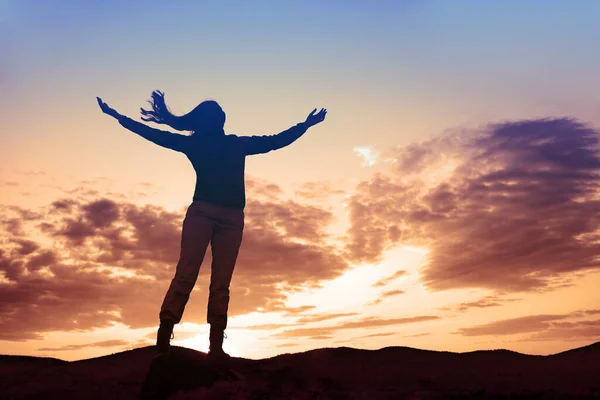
84,263
518,208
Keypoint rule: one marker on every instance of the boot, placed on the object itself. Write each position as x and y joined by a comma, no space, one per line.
164,336
215,351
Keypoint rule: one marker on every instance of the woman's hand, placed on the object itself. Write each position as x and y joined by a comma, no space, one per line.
107,110
314,119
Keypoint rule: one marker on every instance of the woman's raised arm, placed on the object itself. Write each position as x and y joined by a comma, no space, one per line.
166,139
266,143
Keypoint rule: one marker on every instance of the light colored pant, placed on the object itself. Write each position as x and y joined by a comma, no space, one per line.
222,227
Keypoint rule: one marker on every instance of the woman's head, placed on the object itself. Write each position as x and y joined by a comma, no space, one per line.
207,118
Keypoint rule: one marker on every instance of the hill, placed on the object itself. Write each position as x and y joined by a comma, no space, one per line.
330,373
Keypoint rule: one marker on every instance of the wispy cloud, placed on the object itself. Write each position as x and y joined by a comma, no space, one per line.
386,280
71,347
484,302
368,155
541,327
324,317
370,322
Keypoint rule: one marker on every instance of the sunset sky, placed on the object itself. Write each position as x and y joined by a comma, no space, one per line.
449,201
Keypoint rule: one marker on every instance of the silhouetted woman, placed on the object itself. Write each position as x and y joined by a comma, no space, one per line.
216,214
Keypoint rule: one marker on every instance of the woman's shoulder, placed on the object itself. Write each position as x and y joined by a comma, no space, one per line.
235,139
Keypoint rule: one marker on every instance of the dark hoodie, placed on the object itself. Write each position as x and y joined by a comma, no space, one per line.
219,160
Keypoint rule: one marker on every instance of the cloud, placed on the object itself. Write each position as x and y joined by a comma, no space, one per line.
390,293
26,246
512,207
319,191
542,327
531,323
484,302
71,347
368,155
291,311
572,331
376,335
321,337
591,312
263,327
388,279
386,294
12,226
418,335
101,213
324,317
288,344
390,334
263,189
302,321
84,262
370,322
9,183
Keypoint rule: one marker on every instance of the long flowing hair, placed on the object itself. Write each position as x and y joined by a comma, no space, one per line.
208,116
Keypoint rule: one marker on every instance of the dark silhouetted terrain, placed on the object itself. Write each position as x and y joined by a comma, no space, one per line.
333,373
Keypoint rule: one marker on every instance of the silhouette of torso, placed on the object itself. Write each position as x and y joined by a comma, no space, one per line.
219,162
